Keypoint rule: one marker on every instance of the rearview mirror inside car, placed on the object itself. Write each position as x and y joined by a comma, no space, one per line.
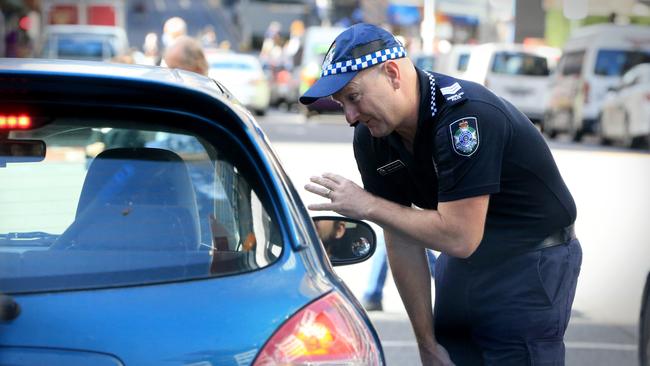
346,240
19,151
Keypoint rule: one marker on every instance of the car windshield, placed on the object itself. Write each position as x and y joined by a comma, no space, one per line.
113,204
617,62
519,63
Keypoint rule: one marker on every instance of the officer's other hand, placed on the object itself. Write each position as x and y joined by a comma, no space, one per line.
435,356
347,198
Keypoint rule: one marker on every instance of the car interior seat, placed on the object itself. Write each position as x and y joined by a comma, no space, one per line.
135,199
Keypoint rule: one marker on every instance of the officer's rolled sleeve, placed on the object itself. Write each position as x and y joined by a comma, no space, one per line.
464,174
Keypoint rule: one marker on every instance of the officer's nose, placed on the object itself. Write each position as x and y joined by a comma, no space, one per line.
351,114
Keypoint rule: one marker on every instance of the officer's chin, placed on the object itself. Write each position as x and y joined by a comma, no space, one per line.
376,132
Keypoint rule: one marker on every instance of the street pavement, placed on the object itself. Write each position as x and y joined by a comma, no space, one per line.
610,186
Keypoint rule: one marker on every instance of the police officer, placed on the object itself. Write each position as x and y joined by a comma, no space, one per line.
447,165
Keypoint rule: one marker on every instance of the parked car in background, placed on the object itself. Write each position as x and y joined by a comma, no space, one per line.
425,61
83,42
519,73
454,63
243,75
593,60
316,43
625,115
107,263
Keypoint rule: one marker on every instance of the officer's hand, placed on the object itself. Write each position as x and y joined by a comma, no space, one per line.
436,356
347,198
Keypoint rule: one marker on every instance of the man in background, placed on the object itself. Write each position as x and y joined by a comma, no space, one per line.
186,53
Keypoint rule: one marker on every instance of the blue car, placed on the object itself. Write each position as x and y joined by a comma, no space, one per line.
144,220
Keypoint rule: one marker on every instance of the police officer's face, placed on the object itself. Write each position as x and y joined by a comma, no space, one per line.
367,99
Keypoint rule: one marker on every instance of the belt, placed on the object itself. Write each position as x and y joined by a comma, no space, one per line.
559,237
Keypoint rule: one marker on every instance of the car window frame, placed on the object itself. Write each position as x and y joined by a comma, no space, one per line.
204,127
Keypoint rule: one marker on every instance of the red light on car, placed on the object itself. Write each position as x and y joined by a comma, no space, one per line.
13,122
327,331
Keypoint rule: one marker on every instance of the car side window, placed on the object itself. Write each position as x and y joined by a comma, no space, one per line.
113,205
571,63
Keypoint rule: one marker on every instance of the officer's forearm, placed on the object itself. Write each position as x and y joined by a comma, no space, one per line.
456,228
410,270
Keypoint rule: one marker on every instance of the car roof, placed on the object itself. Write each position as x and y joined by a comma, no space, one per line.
82,28
101,70
153,85
232,56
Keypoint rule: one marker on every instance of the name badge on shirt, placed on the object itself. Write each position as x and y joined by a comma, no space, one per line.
391,167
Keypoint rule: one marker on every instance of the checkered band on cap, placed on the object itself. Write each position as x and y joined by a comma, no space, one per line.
363,62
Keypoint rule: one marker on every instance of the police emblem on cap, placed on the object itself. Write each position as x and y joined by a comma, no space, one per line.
464,136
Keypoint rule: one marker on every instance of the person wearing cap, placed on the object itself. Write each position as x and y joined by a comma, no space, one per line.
449,166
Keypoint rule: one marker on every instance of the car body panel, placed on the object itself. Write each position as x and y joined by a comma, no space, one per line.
191,307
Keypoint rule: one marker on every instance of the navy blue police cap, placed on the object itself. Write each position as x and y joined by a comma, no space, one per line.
359,47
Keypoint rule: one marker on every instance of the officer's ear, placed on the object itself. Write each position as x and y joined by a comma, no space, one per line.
392,71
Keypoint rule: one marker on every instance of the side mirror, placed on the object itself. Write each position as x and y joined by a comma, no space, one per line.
346,240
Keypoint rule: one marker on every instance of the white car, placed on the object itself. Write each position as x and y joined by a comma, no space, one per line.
625,115
83,42
454,63
593,60
243,76
519,73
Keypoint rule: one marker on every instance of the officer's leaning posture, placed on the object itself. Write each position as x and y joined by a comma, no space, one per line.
448,165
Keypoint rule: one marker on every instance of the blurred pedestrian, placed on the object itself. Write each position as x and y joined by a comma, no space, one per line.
186,53
150,49
173,28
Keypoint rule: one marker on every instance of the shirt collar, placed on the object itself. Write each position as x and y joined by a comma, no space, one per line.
428,106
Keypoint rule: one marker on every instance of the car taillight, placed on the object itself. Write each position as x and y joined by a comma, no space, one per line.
585,91
326,332
15,122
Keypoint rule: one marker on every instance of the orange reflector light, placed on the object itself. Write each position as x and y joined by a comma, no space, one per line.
12,122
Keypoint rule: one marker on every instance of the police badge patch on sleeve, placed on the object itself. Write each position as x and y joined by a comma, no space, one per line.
464,136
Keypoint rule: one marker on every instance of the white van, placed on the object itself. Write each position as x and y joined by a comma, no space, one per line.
593,60
83,42
454,63
316,42
518,73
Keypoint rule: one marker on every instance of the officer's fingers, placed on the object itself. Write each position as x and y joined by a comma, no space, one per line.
334,177
321,207
327,183
317,189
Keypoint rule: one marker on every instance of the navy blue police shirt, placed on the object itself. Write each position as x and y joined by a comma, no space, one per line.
476,144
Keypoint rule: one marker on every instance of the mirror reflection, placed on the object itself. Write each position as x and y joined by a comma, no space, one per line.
345,240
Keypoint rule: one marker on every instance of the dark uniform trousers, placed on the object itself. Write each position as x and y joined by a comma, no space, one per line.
512,311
